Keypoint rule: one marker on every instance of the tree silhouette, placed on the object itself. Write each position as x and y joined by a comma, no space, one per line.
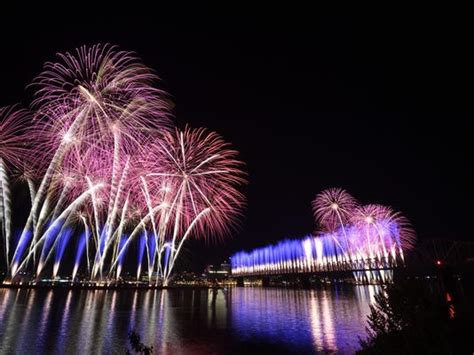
137,346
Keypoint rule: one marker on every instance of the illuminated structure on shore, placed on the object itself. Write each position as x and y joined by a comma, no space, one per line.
368,241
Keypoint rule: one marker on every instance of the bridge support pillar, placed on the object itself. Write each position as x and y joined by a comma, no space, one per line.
240,281
265,281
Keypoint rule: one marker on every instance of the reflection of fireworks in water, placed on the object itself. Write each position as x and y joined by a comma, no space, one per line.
110,168
374,236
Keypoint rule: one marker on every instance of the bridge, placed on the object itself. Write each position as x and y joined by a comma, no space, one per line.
373,261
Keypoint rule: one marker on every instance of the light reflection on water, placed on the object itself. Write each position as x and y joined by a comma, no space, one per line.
184,321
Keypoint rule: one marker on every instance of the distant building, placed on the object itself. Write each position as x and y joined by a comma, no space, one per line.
218,271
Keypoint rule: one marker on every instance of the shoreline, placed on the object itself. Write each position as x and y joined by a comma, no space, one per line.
104,287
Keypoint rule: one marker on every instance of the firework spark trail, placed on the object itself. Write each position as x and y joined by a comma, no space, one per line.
114,189
63,240
167,250
161,242
164,219
148,250
48,176
99,253
38,223
96,229
59,203
48,243
22,246
32,190
65,230
141,251
151,247
12,151
87,236
5,210
141,224
113,186
186,234
122,248
151,260
332,208
77,202
168,266
120,190
112,234
80,250
94,109
205,174
117,234
114,242
372,216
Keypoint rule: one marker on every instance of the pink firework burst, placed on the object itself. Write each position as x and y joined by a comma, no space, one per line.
98,94
13,122
198,176
333,208
83,167
385,218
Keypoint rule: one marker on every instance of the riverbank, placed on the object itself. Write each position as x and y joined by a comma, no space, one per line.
102,287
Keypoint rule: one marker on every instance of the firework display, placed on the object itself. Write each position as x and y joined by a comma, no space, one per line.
368,240
107,173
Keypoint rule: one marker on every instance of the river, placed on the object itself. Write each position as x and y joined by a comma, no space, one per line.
240,320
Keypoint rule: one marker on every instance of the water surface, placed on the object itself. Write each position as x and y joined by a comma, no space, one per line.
186,321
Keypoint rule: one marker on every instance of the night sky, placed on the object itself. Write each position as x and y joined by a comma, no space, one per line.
380,106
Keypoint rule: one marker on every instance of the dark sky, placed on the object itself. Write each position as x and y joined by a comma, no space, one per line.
378,105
